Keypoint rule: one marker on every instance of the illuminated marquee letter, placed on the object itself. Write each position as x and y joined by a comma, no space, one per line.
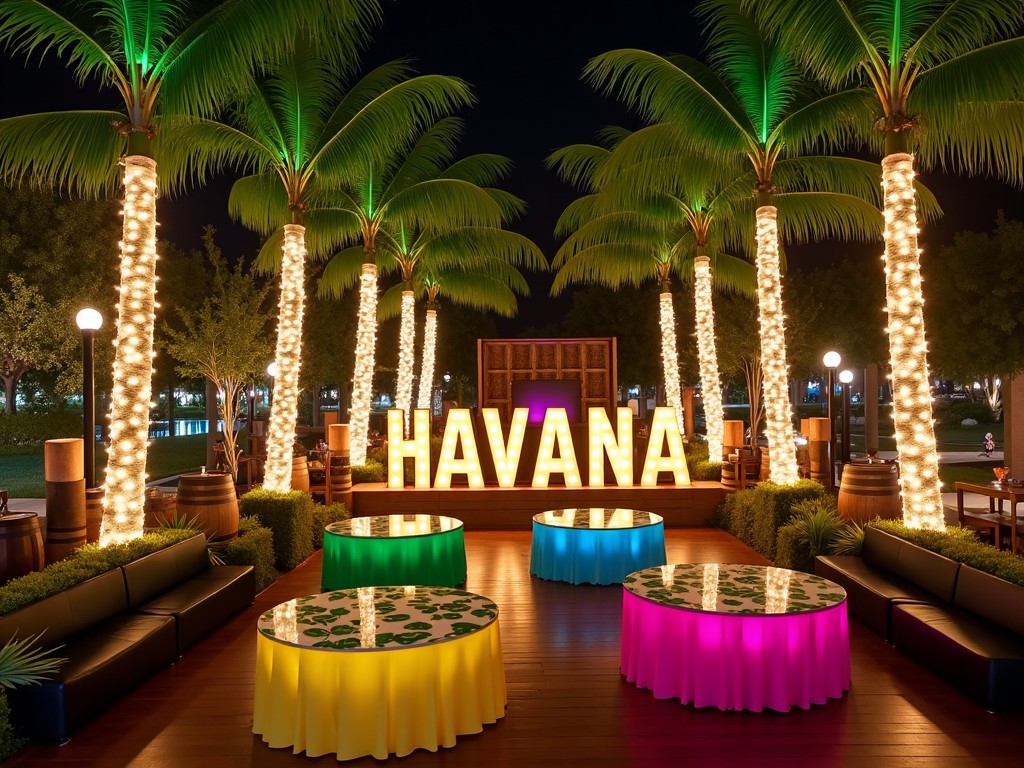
506,456
399,448
665,428
459,428
620,452
556,430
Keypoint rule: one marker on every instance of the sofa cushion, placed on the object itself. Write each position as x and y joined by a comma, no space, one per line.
200,604
917,565
148,576
991,597
980,658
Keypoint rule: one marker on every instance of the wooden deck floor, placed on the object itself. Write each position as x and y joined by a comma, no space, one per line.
568,705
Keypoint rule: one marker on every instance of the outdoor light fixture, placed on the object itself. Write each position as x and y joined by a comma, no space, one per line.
272,370
845,377
831,360
707,355
89,321
125,483
362,379
284,407
670,357
406,342
427,366
775,381
912,399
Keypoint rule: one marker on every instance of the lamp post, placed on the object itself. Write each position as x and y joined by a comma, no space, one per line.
272,371
845,377
831,361
89,321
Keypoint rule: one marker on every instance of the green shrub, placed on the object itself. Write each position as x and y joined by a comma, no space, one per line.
754,516
370,472
254,546
705,470
289,516
952,412
959,544
324,516
850,540
84,563
810,532
10,742
33,428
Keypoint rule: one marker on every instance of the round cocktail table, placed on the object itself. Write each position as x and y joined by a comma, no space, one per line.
393,549
595,546
377,671
741,637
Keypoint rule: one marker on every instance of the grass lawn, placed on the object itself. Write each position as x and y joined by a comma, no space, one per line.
21,468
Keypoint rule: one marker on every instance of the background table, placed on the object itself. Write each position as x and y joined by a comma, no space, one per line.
995,519
377,671
735,636
394,549
595,546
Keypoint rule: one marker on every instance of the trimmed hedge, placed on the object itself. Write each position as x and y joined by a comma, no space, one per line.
812,531
324,516
697,462
370,472
755,516
85,562
35,428
10,740
254,546
289,516
959,544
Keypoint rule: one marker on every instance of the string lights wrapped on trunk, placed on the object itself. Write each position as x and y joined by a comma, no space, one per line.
707,354
362,379
670,358
125,485
775,381
406,343
912,401
284,407
427,368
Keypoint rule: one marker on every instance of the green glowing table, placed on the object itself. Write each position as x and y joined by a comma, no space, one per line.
394,549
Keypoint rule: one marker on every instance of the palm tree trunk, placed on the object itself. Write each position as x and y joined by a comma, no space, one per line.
406,355
125,484
912,400
775,372
707,354
670,358
284,406
426,390
362,378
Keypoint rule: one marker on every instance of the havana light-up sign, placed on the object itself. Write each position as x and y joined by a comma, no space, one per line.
556,453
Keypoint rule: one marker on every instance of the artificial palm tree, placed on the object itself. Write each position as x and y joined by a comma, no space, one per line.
163,60
409,191
304,134
943,87
752,105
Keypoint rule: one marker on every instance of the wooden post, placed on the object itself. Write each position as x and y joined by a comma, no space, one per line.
819,434
63,471
688,421
339,467
871,408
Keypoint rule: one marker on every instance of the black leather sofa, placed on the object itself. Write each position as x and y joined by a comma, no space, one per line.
965,624
119,628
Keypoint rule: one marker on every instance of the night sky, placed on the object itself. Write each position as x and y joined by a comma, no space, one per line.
524,60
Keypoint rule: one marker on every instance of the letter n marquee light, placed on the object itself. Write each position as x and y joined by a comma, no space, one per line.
603,440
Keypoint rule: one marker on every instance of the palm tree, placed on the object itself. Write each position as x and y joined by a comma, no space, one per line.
943,90
408,191
666,229
302,134
751,105
163,62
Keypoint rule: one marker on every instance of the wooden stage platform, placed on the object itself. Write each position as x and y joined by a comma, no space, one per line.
494,508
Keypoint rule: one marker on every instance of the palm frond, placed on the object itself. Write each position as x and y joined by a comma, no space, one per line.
268,260
471,247
328,229
365,90
576,214
813,216
389,304
961,26
832,122
432,150
189,151
23,664
732,275
609,264
844,175
893,27
617,227
477,292
578,164
259,202
444,203
300,91
482,169
341,273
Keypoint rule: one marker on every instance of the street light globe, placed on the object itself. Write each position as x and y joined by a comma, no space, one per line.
89,319
831,359
273,369
846,376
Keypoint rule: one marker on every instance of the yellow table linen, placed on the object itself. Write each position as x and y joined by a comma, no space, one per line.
377,702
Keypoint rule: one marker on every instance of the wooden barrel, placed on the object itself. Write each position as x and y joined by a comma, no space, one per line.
817,454
729,476
65,518
339,489
868,491
210,498
818,430
300,474
64,459
160,504
93,514
803,460
21,545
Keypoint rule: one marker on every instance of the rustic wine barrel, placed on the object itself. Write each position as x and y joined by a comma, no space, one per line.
803,460
300,474
210,498
868,491
21,545
340,481
160,504
93,514
65,518
817,451
729,476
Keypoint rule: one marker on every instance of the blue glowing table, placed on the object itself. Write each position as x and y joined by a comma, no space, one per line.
595,546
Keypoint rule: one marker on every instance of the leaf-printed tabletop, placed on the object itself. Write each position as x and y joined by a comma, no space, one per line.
739,589
597,518
378,618
394,526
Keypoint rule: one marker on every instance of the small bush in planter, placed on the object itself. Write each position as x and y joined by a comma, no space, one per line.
289,516
755,516
324,516
254,546
370,472
811,531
